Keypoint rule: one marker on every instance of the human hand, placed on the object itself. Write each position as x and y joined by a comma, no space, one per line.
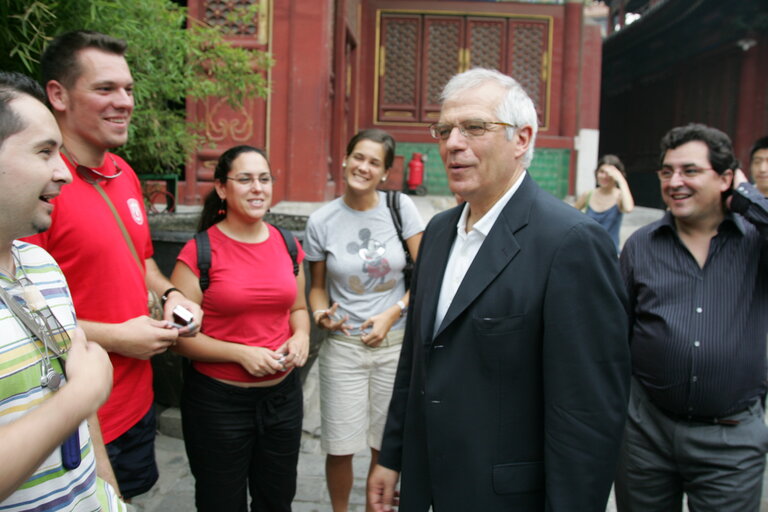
738,178
89,371
295,351
381,489
177,299
143,337
260,361
376,328
614,173
331,320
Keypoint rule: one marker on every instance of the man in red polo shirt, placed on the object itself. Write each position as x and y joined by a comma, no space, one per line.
107,263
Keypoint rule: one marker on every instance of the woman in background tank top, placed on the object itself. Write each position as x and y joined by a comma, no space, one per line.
610,199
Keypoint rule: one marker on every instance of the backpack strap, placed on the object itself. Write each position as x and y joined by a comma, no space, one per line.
393,203
204,254
290,244
203,258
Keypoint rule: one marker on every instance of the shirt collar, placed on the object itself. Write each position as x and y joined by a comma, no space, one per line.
668,222
486,222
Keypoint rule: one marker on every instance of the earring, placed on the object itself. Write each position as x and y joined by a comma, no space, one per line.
383,179
222,208
343,165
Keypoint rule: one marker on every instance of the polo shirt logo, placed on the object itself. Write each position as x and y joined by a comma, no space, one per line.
135,209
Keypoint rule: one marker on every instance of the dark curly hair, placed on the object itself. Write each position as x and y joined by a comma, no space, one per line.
721,156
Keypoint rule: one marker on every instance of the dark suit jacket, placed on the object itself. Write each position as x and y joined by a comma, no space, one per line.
518,402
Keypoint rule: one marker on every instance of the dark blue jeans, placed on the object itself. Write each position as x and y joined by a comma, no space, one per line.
237,437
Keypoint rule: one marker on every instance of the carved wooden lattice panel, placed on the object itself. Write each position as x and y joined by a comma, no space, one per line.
528,65
399,67
486,43
442,59
411,80
219,13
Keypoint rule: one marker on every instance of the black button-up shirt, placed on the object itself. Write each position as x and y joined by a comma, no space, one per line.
698,335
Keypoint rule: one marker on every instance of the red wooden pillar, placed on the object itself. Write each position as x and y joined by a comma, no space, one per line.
300,114
571,63
572,33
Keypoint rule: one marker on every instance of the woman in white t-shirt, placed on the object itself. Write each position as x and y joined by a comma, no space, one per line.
358,294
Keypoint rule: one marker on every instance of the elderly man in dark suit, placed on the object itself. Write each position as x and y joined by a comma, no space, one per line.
512,387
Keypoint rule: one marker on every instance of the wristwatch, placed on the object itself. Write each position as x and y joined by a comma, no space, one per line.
166,293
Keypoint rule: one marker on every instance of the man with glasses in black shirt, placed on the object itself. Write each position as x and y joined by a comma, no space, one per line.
698,293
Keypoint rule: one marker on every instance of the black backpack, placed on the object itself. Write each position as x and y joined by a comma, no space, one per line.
393,203
204,254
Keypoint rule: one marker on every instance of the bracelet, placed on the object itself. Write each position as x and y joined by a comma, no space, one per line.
402,307
168,292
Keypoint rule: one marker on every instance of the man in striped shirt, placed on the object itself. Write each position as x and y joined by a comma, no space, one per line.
49,461
698,288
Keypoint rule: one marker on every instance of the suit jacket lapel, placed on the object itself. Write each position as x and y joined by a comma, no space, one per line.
498,249
431,271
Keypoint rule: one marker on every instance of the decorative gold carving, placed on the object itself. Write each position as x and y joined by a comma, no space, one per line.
224,124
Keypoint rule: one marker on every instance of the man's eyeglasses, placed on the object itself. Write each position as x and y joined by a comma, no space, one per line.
247,180
469,128
685,173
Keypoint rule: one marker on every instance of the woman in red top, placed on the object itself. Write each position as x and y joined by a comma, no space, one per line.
241,404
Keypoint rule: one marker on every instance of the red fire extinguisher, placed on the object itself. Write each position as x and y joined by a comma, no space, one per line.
416,176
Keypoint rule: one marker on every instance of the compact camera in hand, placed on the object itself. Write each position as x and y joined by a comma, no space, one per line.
182,317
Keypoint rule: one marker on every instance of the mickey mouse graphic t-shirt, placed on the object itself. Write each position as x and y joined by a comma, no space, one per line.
363,256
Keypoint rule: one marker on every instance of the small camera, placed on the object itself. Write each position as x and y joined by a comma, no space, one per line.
182,317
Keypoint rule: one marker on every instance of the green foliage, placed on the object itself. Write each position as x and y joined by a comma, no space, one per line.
22,33
169,64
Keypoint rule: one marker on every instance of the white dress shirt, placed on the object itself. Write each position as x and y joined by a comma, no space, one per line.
465,248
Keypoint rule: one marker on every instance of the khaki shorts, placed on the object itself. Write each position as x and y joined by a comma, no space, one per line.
355,388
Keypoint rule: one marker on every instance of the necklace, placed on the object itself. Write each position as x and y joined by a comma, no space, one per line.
89,174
